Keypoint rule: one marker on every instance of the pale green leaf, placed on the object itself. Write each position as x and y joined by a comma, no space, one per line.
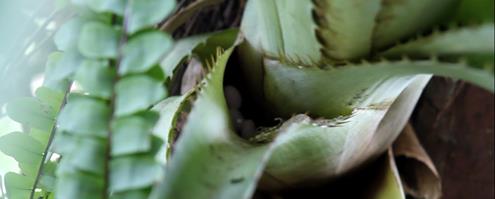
143,51
132,134
67,35
66,66
32,112
84,115
30,169
133,172
50,97
63,143
114,6
137,93
22,147
39,135
96,78
79,185
18,186
132,194
86,154
99,40
48,178
146,13
53,79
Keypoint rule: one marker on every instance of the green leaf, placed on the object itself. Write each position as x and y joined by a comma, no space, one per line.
388,185
99,40
52,79
346,26
143,51
409,17
22,147
85,116
32,112
132,134
114,6
186,13
292,85
469,11
203,45
67,35
209,160
333,147
133,172
133,194
18,186
170,110
137,93
96,78
70,62
52,98
86,154
30,169
146,13
458,42
282,30
39,135
48,178
79,185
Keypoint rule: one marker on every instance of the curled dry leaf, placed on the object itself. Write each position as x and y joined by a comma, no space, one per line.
418,173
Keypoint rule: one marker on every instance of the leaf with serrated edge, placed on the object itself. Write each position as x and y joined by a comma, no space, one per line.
282,29
399,19
169,110
460,42
292,85
199,44
209,154
346,27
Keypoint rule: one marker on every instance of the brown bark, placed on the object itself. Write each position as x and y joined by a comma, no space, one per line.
455,124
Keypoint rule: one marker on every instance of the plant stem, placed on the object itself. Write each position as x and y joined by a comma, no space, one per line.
116,63
48,145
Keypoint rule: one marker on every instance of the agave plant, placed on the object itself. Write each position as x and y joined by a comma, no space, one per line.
326,86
